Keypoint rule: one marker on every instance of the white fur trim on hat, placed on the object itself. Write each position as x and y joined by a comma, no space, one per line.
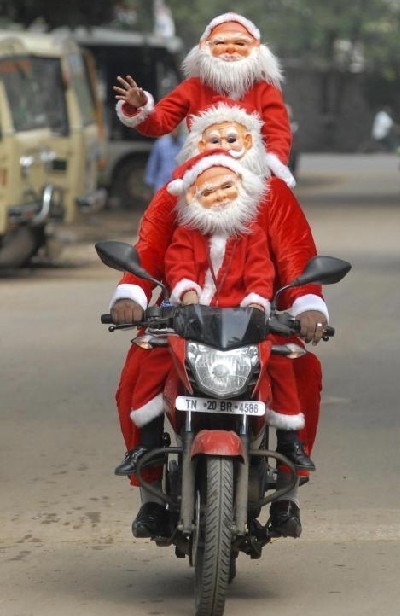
229,17
141,115
309,302
182,287
177,187
149,411
254,298
129,291
280,170
281,421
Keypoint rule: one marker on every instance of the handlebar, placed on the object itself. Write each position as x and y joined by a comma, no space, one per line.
282,323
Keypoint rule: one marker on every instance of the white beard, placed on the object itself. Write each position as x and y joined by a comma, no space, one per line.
254,159
234,78
232,219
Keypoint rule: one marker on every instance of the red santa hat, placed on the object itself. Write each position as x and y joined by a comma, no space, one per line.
231,17
185,175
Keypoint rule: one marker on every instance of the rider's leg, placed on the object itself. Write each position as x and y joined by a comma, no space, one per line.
286,416
139,401
285,511
308,374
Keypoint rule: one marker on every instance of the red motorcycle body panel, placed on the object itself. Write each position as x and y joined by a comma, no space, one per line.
217,443
173,388
177,347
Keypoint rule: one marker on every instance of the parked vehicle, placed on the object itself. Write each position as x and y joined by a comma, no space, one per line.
216,486
154,61
65,82
29,200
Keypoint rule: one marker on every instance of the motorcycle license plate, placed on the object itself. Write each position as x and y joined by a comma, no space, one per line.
230,407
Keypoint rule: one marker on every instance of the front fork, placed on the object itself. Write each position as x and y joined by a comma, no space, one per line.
189,480
242,481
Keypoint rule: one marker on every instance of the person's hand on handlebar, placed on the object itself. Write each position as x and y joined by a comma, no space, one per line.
312,323
190,297
126,311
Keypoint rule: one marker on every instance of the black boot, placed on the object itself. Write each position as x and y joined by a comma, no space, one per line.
284,519
129,465
151,439
151,521
289,445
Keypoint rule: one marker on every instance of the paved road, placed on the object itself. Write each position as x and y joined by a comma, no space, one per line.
65,520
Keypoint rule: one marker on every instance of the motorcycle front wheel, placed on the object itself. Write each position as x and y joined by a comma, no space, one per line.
213,553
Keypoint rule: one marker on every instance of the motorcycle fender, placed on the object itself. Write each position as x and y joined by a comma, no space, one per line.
217,443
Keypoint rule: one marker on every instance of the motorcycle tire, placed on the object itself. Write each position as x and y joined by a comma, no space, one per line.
213,554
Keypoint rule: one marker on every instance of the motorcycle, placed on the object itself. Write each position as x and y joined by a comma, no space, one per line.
220,475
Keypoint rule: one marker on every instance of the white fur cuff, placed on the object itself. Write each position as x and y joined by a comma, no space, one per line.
285,422
309,302
254,298
181,287
149,411
280,170
129,291
141,115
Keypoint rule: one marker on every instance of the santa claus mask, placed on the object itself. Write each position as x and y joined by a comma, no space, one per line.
230,41
240,136
230,59
216,187
230,136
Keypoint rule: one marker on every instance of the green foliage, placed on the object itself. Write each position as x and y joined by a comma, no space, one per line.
71,13
307,28
303,29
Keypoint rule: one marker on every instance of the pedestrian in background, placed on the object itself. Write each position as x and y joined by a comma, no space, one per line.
384,129
162,160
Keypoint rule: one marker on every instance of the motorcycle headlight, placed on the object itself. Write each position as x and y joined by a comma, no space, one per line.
222,373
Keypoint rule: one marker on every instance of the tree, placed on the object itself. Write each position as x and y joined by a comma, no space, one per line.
72,13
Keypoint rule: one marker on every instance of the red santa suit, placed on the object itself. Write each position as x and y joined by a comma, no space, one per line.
290,245
198,92
240,265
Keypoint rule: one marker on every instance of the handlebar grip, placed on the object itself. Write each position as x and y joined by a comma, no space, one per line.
329,332
295,325
106,319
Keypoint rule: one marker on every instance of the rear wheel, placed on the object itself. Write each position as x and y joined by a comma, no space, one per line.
213,553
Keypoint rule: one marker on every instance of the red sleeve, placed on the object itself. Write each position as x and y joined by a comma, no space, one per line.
169,111
179,259
290,239
259,272
155,234
276,131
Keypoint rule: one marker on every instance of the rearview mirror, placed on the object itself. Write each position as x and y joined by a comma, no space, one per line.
123,257
319,270
322,270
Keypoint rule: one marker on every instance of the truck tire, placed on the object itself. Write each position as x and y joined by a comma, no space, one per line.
18,247
128,189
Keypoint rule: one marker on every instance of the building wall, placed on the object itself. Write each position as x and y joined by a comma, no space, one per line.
330,108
